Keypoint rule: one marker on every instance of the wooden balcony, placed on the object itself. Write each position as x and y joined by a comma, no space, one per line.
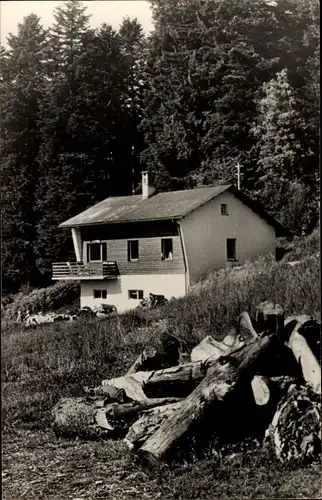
87,271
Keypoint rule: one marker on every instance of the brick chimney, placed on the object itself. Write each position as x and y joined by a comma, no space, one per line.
147,186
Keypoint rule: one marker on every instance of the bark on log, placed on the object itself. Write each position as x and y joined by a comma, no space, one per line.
295,431
303,353
269,318
148,423
115,411
177,381
223,379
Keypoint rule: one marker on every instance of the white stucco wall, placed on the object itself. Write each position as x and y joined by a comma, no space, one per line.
205,232
169,285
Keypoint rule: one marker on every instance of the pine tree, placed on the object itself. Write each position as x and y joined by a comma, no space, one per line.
22,75
207,64
89,115
61,157
282,150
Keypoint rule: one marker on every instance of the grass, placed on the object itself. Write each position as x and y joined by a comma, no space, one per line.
41,366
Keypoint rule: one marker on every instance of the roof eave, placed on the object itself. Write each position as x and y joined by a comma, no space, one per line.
66,225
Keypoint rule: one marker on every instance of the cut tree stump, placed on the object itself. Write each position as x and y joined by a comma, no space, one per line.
269,318
295,431
224,378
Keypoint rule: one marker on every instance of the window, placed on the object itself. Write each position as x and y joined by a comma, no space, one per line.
100,294
166,249
136,294
96,252
133,250
224,209
231,248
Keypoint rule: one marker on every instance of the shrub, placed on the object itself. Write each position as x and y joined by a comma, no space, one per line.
44,299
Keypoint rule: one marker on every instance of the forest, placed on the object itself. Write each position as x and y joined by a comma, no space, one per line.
216,83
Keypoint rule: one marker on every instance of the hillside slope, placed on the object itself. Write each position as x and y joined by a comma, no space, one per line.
41,366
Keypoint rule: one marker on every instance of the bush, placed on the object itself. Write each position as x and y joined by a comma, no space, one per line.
44,299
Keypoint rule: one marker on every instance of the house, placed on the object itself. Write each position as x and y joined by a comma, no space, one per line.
163,243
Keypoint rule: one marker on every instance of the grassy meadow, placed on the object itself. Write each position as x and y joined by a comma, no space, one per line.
40,366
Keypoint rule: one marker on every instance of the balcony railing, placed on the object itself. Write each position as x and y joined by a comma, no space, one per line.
81,271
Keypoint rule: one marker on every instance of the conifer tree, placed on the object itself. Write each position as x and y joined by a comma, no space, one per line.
22,76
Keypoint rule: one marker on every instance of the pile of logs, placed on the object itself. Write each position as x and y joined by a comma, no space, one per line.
42,318
262,380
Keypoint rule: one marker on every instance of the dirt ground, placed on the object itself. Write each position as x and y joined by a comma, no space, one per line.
37,465
40,466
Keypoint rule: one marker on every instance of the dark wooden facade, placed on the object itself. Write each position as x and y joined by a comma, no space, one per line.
149,236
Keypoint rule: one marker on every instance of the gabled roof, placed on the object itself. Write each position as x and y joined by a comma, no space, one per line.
173,205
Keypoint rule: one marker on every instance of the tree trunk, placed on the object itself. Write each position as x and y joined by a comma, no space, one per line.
295,431
224,378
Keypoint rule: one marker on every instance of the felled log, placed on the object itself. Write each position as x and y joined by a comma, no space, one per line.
269,318
93,417
224,378
302,351
148,360
177,381
245,328
148,423
150,420
81,417
266,388
295,431
208,347
260,389
109,392
116,411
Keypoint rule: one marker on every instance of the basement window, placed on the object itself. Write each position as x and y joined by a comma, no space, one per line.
166,249
224,209
100,294
136,294
231,248
133,250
